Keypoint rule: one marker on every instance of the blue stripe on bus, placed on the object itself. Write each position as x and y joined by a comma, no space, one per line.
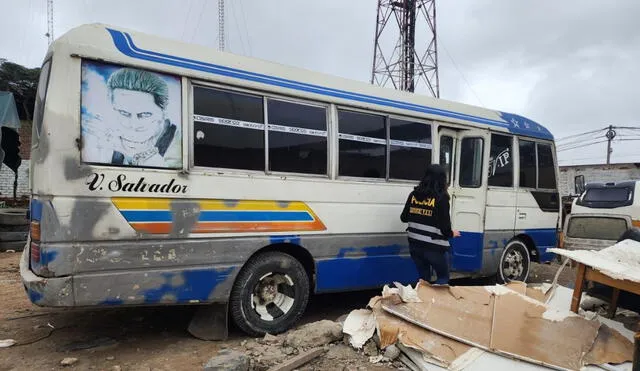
35,210
544,238
125,45
150,216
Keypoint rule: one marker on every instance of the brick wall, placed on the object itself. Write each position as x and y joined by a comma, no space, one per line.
25,139
7,177
596,173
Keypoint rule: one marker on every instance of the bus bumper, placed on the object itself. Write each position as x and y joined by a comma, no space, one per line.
45,292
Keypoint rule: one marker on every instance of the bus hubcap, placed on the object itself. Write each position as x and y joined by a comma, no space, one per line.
513,264
273,296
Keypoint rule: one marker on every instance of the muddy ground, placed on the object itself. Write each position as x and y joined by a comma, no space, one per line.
156,338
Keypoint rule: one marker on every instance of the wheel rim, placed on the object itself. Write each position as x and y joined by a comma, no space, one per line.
273,296
513,263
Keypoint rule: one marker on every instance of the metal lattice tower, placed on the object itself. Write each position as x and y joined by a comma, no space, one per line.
49,33
406,66
220,24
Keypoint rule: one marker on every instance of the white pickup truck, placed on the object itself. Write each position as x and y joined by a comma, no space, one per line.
602,214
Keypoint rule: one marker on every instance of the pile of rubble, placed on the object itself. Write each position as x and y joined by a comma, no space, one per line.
316,346
504,326
513,326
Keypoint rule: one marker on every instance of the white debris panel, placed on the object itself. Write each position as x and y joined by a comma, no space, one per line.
620,261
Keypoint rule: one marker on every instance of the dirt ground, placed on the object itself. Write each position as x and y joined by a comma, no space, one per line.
156,338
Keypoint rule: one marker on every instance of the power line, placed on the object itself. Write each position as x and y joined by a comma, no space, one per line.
580,134
186,21
233,12
195,31
246,30
455,65
580,146
578,141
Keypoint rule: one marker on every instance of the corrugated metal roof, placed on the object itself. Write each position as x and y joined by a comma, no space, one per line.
8,111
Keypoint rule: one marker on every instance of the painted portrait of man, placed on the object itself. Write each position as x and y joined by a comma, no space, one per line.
130,117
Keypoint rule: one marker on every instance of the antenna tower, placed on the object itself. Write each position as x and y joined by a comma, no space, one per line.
49,33
221,25
406,66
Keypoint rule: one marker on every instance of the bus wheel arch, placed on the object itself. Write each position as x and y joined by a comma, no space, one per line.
271,291
515,261
534,254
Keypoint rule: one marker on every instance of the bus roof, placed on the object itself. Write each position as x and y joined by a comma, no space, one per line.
118,45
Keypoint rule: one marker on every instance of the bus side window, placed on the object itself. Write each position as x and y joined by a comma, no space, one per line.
297,137
362,144
409,149
501,162
471,162
228,129
446,154
546,170
527,164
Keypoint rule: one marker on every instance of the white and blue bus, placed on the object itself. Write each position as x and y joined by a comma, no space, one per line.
169,173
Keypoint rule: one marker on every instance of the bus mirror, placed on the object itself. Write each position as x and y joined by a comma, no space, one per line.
579,184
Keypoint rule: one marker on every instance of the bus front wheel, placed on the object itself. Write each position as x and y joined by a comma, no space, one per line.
514,262
270,294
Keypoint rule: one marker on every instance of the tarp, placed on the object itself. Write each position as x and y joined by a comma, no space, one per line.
8,111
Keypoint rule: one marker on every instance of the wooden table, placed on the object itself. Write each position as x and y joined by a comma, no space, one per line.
587,273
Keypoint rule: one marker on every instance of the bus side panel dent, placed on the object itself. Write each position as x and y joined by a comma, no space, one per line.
494,244
361,261
46,292
202,284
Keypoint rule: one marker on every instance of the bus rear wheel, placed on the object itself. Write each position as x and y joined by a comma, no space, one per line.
515,262
270,294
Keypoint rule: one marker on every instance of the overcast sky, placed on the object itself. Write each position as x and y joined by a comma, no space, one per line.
570,65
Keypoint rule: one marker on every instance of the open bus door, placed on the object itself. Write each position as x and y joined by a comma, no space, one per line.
463,153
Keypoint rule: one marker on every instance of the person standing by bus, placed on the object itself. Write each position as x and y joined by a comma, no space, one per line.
429,225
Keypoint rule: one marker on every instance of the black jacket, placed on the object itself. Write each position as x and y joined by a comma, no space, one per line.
429,220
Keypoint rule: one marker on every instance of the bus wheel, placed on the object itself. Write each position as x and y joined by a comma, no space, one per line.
514,263
270,294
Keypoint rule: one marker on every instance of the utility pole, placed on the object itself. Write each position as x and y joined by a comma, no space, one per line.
610,135
405,65
221,25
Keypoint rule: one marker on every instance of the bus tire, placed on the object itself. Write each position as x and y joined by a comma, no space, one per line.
515,262
270,294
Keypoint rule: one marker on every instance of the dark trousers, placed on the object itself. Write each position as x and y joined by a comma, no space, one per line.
425,259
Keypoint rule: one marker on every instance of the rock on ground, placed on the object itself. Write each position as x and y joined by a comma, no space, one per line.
228,360
314,334
69,361
392,352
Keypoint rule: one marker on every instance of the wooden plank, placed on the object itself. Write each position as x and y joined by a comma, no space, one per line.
613,304
577,291
596,276
298,360
636,352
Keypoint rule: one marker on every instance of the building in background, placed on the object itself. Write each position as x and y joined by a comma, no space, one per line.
596,173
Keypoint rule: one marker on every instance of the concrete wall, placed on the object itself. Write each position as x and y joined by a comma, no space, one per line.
596,173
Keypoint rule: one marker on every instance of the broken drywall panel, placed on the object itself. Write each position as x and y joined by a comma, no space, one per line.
461,313
360,325
610,347
498,319
438,349
620,261
521,329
